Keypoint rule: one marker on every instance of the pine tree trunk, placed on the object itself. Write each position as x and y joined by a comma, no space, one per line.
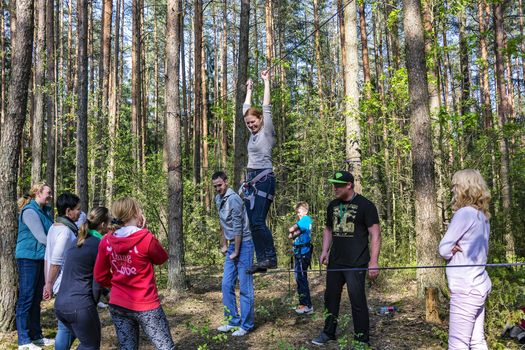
136,92
499,35
341,24
241,135
486,105
224,84
351,71
112,116
205,162
51,93
185,111
3,83
176,273
318,59
10,149
38,119
197,54
427,225
82,132
268,16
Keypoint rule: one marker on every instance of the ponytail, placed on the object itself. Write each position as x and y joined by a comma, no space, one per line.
27,197
95,218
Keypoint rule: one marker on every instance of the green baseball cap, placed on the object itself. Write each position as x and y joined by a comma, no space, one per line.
341,177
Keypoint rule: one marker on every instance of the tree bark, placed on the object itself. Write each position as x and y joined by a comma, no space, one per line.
241,135
10,148
82,134
204,124
38,119
268,7
427,225
486,105
51,93
113,110
341,23
185,111
136,91
224,84
318,59
197,24
176,273
351,71
499,35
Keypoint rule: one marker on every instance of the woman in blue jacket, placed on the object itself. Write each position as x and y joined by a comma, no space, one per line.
33,223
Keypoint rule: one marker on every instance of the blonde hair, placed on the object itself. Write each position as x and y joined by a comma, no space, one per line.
302,205
27,197
124,210
470,190
95,218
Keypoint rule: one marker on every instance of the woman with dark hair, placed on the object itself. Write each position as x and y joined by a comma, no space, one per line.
60,237
76,302
259,187
33,225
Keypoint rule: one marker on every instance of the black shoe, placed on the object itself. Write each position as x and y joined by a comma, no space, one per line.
322,339
262,266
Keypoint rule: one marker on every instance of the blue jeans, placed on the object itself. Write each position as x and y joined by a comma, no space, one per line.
30,289
302,261
261,234
234,269
64,337
83,323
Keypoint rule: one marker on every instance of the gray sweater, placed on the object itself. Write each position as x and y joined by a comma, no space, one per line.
233,216
260,144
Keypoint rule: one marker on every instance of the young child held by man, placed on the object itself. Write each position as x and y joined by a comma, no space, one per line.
300,233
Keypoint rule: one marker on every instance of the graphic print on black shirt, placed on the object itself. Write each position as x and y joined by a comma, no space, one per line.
349,221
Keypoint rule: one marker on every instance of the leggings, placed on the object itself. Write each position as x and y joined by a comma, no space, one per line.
153,322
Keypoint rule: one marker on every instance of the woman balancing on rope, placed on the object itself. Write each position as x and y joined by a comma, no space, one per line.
259,188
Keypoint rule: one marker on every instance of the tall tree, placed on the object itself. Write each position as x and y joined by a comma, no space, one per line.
224,83
318,57
136,82
10,148
51,92
486,108
176,274
427,225
241,136
351,72
113,109
82,76
38,119
102,97
268,16
197,116
503,108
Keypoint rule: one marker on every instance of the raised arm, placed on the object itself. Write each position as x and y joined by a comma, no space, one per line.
248,100
265,75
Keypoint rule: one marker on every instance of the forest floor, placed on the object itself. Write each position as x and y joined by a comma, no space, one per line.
195,315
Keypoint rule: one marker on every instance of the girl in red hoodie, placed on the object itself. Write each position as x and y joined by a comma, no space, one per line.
125,264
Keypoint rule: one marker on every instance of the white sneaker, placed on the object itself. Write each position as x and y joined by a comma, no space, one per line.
239,333
226,328
102,305
304,310
44,342
29,346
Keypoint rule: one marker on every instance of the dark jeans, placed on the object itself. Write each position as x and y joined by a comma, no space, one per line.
30,289
302,261
84,324
153,322
355,283
261,234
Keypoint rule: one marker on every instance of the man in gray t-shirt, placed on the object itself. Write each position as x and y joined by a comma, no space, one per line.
237,247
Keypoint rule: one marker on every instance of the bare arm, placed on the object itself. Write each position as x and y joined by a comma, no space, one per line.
249,90
375,246
52,275
224,246
237,243
265,75
327,243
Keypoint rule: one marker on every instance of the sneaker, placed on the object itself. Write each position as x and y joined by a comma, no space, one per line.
322,339
29,346
44,342
226,328
304,310
240,333
102,305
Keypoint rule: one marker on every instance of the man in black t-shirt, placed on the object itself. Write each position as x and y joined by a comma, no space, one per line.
350,220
